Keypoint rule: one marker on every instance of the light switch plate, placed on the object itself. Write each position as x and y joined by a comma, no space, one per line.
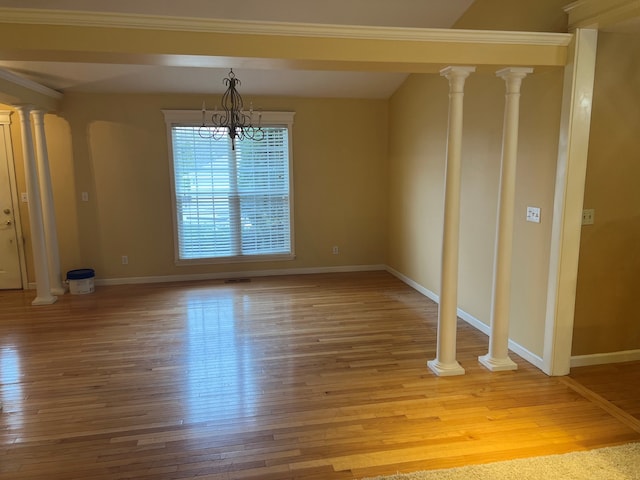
533,214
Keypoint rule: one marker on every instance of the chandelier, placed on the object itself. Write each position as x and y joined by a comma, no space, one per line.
233,121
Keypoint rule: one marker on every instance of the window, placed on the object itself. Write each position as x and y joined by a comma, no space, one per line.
231,205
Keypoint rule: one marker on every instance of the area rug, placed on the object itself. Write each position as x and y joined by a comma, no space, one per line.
611,463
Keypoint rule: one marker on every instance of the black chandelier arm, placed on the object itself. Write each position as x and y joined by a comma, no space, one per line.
253,133
231,99
233,121
212,132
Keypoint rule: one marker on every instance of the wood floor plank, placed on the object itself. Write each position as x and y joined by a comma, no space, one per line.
293,377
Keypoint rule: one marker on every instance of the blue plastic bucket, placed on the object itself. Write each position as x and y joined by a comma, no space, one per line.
81,281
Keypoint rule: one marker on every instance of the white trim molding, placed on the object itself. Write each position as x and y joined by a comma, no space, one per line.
605,358
231,275
195,118
7,143
601,13
29,84
190,24
516,348
575,124
238,274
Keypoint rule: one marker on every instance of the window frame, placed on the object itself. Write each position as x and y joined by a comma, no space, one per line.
193,118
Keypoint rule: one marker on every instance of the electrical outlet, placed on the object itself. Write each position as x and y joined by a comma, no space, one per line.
125,260
588,216
335,250
533,214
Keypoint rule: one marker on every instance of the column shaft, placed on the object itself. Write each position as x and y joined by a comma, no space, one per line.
48,213
38,245
498,356
445,363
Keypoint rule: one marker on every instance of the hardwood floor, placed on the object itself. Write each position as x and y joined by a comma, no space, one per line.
618,384
300,377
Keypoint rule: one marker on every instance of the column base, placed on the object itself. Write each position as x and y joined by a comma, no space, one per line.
497,364
58,291
44,300
445,369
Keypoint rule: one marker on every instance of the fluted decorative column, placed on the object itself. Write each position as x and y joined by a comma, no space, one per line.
498,356
48,213
38,244
445,363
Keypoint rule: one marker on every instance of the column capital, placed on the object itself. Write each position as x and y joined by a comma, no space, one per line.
514,71
38,115
456,77
24,107
513,76
458,71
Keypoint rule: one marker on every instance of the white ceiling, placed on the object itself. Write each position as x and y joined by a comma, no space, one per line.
93,77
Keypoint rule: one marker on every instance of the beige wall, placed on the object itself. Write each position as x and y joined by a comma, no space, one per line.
115,148
607,299
418,120
416,172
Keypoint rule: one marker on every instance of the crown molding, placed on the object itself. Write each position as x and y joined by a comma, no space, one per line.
189,24
601,13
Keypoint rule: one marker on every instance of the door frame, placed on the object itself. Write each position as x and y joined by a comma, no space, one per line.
5,134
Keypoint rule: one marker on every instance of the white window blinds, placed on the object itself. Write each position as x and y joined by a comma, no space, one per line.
231,204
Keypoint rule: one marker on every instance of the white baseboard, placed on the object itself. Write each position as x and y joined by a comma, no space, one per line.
231,275
604,358
516,348
413,284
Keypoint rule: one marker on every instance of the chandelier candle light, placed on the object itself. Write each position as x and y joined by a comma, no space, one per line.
232,121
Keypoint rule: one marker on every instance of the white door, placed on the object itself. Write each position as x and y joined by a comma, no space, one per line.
10,271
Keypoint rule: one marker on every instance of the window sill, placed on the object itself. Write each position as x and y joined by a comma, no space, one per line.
237,259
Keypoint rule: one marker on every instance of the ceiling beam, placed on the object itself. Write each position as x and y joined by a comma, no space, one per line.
46,35
15,90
